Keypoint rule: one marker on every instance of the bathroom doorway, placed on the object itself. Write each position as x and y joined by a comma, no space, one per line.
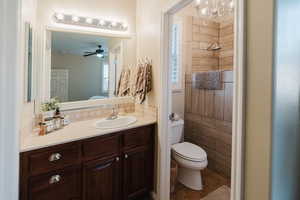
202,45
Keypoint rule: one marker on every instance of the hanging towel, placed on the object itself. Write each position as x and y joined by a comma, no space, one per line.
123,87
133,80
207,80
144,81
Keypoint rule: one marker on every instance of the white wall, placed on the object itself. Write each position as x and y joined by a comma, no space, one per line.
149,25
178,103
10,101
286,114
28,9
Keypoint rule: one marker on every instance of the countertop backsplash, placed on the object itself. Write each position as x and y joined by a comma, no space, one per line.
93,113
98,112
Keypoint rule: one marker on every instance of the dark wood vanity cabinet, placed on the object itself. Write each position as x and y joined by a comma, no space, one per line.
138,172
101,179
60,184
111,167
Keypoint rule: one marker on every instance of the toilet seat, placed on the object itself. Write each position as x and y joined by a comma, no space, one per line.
189,152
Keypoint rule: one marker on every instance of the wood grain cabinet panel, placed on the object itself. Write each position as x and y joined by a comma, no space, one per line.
59,185
137,137
101,147
48,159
101,179
137,172
112,167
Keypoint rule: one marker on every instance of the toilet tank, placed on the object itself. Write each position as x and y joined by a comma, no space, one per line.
176,134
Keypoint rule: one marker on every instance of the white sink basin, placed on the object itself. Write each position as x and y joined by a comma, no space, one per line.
121,121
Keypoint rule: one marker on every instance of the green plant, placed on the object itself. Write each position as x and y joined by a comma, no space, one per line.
53,104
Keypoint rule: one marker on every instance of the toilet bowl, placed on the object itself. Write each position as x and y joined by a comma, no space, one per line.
191,160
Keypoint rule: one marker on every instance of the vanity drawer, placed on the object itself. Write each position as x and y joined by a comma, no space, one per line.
61,184
104,146
138,137
53,158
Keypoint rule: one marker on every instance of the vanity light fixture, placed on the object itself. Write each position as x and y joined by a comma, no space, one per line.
90,22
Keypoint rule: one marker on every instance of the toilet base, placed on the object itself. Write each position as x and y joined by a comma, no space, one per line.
190,178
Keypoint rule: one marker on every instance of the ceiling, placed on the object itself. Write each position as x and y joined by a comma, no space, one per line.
76,43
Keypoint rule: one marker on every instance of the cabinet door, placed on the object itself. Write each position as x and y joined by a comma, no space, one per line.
59,185
101,179
138,172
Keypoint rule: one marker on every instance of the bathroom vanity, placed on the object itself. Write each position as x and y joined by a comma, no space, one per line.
77,59
111,166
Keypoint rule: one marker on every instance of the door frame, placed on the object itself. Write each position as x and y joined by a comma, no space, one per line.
238,123
11,98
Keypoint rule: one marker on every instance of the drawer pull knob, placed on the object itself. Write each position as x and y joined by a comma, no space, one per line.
117,159
126,156
55,179
55,157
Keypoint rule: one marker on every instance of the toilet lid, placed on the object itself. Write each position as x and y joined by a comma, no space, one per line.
190,151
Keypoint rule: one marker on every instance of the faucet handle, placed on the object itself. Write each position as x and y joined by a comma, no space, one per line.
115,112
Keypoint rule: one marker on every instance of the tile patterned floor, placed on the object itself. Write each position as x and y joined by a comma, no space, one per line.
211,181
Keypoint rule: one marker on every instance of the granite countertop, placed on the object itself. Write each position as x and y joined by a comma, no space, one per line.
77,131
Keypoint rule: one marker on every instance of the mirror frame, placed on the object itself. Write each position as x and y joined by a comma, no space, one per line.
45,72
28,29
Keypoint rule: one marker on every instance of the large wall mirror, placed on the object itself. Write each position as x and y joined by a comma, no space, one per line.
84,67
80,51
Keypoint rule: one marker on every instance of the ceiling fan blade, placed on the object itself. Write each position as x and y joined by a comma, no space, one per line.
90,54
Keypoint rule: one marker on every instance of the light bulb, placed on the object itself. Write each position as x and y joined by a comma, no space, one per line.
204,11
198,2
75,19
99,55
89,20
60,16
102,22
125,25
231,4
114,23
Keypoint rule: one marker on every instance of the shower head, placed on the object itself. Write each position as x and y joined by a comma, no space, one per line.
214,47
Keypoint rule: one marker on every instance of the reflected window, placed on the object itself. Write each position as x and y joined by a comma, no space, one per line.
176,56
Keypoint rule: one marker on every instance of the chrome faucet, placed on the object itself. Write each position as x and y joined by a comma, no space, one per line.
114,114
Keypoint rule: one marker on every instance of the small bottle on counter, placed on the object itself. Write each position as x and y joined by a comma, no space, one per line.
66,120
50,125
57,122
43,129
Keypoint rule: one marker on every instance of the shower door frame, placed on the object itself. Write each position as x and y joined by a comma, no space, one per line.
165,101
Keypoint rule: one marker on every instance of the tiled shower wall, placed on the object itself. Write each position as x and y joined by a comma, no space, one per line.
208,113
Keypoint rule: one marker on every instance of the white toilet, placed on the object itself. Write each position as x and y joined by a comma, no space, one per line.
190,158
